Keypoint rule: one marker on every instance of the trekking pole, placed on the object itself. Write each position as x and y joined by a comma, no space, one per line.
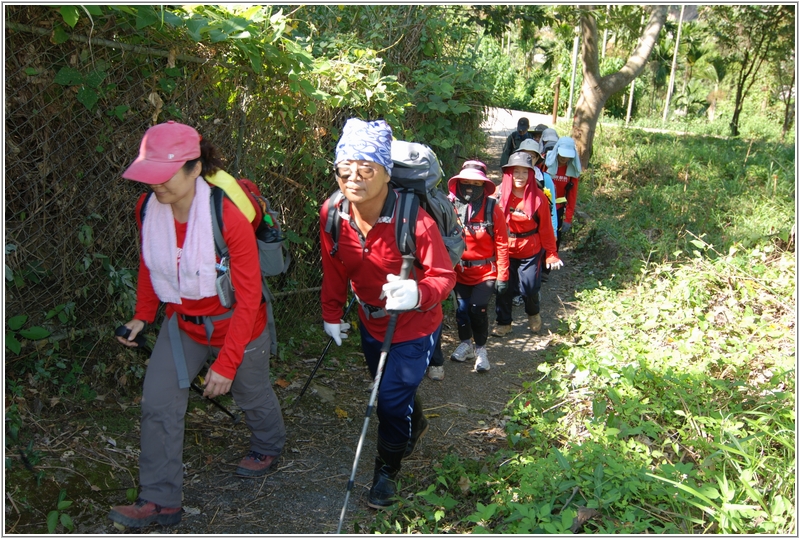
233,416
405,270
141,342
324,351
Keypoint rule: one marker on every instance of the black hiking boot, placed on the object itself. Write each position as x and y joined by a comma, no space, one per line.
387,466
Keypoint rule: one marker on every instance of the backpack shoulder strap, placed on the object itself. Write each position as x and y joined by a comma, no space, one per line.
405,222
334,221
143,209
488,214
220,246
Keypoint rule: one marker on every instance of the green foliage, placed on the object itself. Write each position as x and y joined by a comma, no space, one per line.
59,515
448,111
15,331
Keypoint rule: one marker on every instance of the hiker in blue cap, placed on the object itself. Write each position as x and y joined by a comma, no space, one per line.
514,139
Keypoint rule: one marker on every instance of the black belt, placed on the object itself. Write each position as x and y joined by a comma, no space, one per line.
197,320
523,234
472,263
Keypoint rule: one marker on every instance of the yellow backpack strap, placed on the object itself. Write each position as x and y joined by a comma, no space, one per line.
228,183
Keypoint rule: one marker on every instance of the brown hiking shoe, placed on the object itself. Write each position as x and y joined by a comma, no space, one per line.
143,513
255,464
536,322
502,331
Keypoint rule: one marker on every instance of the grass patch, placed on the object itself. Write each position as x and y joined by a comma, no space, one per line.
649,194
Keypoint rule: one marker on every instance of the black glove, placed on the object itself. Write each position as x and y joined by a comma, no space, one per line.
565,227
501,287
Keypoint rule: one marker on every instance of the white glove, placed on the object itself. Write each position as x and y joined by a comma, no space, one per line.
558,264
401,294
337,331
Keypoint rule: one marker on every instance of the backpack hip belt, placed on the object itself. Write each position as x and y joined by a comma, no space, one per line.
372,311
482,262
523,234
177,347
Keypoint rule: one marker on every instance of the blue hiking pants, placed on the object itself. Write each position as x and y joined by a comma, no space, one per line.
525,276
402,373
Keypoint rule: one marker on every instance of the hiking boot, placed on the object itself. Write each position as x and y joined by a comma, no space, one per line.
535,322
436,373
463,352
143,513
517,301
481,360
415,436
501,331
384,488
255,464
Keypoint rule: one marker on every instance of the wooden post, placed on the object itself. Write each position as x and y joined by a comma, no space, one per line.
674,64
574,66
555,100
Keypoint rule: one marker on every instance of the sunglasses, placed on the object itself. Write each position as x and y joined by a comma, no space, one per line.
366,172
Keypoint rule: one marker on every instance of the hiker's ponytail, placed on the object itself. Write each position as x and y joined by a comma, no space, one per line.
209,158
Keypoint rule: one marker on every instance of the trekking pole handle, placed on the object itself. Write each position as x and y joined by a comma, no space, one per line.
405,271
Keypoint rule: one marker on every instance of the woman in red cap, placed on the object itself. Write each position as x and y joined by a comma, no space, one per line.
484,264
178,266
530,235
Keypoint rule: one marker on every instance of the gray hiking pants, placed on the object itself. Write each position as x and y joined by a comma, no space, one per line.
164,407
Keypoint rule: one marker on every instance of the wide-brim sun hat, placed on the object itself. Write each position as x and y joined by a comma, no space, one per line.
530,145
164,149
549,135
539,128
519,159
471,174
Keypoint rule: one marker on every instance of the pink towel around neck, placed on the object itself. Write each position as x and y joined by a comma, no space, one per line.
160,250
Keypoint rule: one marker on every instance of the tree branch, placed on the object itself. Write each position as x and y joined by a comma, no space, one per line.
615,82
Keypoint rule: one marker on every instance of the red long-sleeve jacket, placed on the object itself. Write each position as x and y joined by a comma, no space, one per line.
231,334
481,245
561,180
518,223
366,261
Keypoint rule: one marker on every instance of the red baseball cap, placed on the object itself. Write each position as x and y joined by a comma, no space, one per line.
164,150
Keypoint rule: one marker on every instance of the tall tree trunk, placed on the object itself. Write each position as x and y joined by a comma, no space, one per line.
595,89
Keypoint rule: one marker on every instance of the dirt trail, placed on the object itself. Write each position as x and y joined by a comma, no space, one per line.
305,494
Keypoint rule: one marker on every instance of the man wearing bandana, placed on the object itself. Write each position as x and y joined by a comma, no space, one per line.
367,255
484,264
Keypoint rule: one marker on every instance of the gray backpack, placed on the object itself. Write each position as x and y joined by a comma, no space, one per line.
415,176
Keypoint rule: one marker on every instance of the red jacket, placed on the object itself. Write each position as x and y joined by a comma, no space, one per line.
367,261
561,180
518,222
481,245
231,334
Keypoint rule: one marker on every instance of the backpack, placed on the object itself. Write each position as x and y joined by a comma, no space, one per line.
488,217
266,227
415,174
